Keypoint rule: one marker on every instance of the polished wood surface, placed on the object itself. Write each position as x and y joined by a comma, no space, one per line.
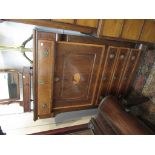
148,32
87,22
98,41
71,21
76,73
26,89
120,121
132,29
45,76
129,71
128,29
118,71
141,30
79,74
108,69
43,69
112,27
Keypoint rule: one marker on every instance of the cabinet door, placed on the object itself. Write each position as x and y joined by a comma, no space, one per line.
77,71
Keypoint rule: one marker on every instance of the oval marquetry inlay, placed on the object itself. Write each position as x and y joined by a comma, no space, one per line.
76,78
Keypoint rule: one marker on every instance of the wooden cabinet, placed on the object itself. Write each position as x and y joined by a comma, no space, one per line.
66,74
73,75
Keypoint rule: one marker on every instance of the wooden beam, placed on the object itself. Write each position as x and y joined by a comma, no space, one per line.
54,24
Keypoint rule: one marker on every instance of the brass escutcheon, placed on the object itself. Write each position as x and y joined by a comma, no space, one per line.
41,82
45,53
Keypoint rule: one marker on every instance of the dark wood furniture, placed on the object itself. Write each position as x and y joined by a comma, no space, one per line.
112,119
74,73
26,89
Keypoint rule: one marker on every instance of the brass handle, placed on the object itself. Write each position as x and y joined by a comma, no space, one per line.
44,105
112,56
133,57
41,82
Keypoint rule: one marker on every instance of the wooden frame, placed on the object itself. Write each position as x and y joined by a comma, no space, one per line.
4,101
26,89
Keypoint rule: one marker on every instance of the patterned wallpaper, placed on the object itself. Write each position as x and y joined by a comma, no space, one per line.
144,82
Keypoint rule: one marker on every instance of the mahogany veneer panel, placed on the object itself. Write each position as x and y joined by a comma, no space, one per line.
81,61
45,77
